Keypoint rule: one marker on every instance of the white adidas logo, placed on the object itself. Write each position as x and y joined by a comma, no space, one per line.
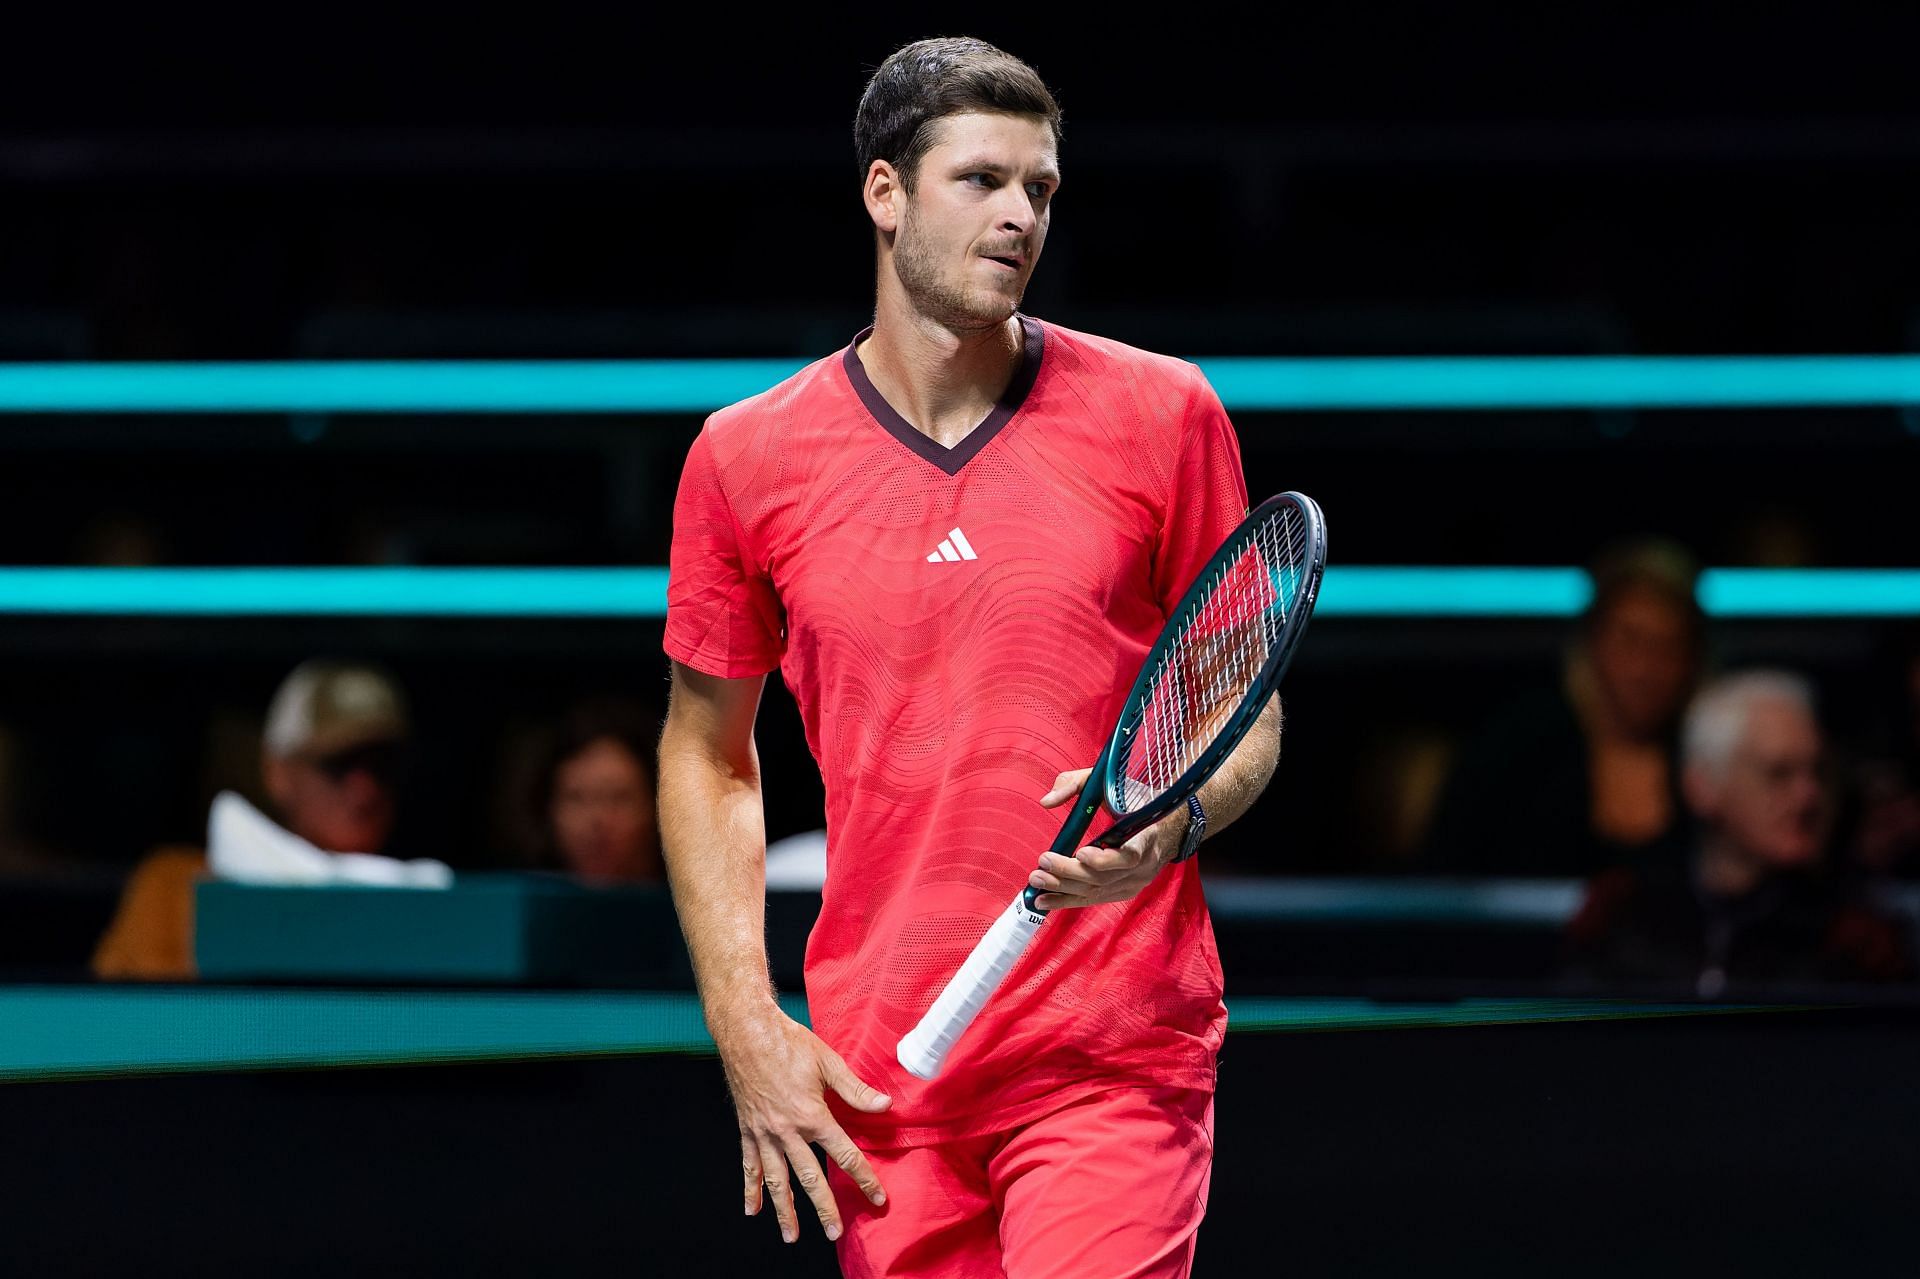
953,547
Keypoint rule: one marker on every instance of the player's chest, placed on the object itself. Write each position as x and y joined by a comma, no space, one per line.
900,543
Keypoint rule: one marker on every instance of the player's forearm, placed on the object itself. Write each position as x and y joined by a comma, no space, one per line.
713,839
1231,791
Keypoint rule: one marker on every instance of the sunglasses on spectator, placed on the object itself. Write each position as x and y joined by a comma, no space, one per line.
384,761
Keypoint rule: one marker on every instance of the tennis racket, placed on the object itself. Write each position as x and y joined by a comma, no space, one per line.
1208,676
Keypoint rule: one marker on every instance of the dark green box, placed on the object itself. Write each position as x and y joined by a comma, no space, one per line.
486,928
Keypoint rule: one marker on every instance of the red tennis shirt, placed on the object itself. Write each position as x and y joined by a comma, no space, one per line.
958,627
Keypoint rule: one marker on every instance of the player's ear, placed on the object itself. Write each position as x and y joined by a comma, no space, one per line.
884,195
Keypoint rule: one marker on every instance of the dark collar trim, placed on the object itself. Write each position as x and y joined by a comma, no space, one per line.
950,460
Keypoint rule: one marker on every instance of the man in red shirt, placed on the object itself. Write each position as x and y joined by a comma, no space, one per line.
957,539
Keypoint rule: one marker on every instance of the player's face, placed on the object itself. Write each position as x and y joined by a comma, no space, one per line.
972,230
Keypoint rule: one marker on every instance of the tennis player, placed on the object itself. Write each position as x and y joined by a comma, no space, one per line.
957,539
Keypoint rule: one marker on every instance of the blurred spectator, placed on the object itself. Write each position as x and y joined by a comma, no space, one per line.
1752,901
1573,780
331,760
594,796
18,854
1886,836
333,753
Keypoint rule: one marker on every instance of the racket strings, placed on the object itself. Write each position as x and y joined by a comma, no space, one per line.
1204,674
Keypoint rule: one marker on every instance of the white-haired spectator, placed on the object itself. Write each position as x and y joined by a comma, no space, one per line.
1751,754
1751,901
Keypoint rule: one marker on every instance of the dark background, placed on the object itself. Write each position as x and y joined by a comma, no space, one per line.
1765,1144
313,182
316,183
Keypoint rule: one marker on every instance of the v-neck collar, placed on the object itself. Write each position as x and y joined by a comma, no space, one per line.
950,460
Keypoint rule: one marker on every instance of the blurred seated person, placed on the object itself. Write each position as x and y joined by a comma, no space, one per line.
798,863
331,756
1752,901
1573,779
1886,836
594,796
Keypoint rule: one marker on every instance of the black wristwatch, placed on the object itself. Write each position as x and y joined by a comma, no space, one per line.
1196,829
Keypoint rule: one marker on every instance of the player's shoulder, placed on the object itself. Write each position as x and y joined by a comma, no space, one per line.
1092,355
750,420
1152,402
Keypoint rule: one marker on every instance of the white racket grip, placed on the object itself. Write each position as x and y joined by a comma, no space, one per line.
924,1049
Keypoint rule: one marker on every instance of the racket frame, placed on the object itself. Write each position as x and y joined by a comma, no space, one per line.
1103,783
924,1049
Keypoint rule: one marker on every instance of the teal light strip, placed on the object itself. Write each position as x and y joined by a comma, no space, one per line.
1373,591
1806,592
698,386
1349,591
1270,1014
77,1032
478,386
365,592
1571,382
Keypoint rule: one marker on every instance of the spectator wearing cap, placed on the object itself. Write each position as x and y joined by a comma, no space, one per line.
332,754
1574,779
1753,900
331,759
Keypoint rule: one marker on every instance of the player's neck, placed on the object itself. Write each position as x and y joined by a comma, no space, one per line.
943,383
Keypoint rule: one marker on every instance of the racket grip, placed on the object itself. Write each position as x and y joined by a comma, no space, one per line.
924,1049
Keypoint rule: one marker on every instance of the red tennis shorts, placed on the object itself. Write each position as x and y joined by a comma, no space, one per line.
1110,1186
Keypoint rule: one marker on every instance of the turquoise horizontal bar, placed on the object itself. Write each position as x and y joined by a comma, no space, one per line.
1809,592
1567,382
1349,591
1373,591
699,386
78,1032
614,386
367,592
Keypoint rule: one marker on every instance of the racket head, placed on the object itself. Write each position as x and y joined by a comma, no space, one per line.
1218,660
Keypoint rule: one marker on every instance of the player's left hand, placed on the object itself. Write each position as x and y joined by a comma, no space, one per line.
1097,875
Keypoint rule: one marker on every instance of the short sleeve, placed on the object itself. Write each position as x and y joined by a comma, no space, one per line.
1206,499
723,617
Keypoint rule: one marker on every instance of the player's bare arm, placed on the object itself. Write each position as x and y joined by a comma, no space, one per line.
713,834
1099,875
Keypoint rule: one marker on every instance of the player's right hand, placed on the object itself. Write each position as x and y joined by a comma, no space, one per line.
778,1072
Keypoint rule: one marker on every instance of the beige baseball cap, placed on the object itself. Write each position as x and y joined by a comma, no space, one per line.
325,707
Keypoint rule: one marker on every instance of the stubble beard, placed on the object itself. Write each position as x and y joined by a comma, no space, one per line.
940,300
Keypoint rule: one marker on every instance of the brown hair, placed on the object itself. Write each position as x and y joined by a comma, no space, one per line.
604,719
930,79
